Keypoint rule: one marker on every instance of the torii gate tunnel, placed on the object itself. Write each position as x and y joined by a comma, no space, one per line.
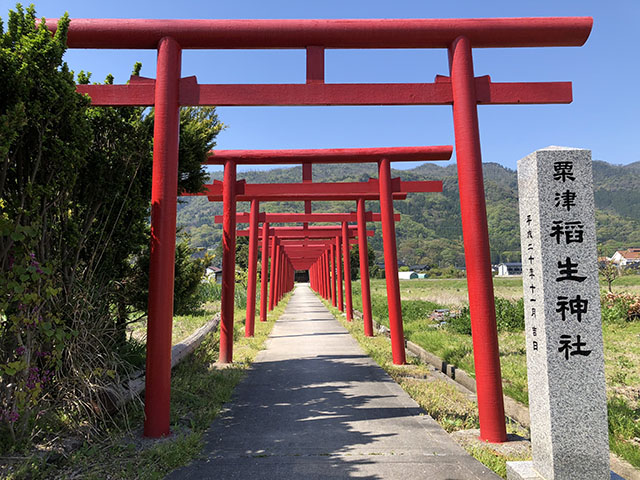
461,90
384,188
303,255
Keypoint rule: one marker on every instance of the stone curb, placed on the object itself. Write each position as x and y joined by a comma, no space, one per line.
178,353
513,409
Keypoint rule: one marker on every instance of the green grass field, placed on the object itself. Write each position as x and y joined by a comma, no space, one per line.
621,344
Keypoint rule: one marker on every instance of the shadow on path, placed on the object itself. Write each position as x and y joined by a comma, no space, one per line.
314,406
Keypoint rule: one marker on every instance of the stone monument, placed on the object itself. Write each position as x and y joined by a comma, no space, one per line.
565,359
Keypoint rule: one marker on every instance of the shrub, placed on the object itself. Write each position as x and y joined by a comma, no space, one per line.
620,307
509,317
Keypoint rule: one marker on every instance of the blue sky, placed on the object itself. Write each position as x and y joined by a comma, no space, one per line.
604,116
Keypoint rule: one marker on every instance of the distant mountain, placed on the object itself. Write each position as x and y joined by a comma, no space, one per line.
430,231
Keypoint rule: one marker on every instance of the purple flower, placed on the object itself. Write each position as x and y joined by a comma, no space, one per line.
20,351
12,417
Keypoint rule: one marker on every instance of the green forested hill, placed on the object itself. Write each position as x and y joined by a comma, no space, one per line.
430,230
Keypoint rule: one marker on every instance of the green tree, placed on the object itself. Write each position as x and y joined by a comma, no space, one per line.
75,186
609,271
354,259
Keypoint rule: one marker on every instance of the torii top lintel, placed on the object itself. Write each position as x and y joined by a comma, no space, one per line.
328,33
315,36
331,155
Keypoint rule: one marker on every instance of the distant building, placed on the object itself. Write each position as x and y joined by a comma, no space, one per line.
509,269
626,257
407,275
419,268
215,272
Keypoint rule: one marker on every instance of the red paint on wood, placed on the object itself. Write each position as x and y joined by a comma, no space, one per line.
391,264
347,271
252,270
329,33
263,272
163,240
363,252
227,300
476,245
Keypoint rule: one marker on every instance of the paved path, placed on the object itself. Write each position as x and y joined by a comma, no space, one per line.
314,406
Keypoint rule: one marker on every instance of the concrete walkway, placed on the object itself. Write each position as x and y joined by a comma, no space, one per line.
314,406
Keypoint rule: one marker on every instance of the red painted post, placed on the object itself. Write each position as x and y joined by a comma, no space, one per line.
391,263
323,279
347,271
312,277
253,267
281,267
476,243
272,275
163,239
327,279
227,301
363,251
327,264
276,283
332,255
339,279
263,272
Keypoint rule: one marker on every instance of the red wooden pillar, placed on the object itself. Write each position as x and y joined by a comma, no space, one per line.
312,277
363,250
163,238
476,243
282,267
263,272
347,271
339,275
227,301
276,284
327,262
323,286
253,267
332,257
391,263
327,280
272,276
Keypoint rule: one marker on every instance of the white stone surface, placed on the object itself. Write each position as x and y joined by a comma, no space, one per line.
565,360
522,471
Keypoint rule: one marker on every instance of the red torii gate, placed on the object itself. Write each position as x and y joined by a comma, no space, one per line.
305,250
384,188
361,217
462,90
343,234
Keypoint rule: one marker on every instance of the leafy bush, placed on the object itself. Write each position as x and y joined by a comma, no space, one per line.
461,323
620,307
209,290
417,309
509,317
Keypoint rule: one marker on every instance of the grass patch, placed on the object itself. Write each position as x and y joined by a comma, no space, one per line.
493,459
198,392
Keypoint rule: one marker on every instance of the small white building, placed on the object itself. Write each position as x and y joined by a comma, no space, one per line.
626,257
509,269
407,275
215,272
